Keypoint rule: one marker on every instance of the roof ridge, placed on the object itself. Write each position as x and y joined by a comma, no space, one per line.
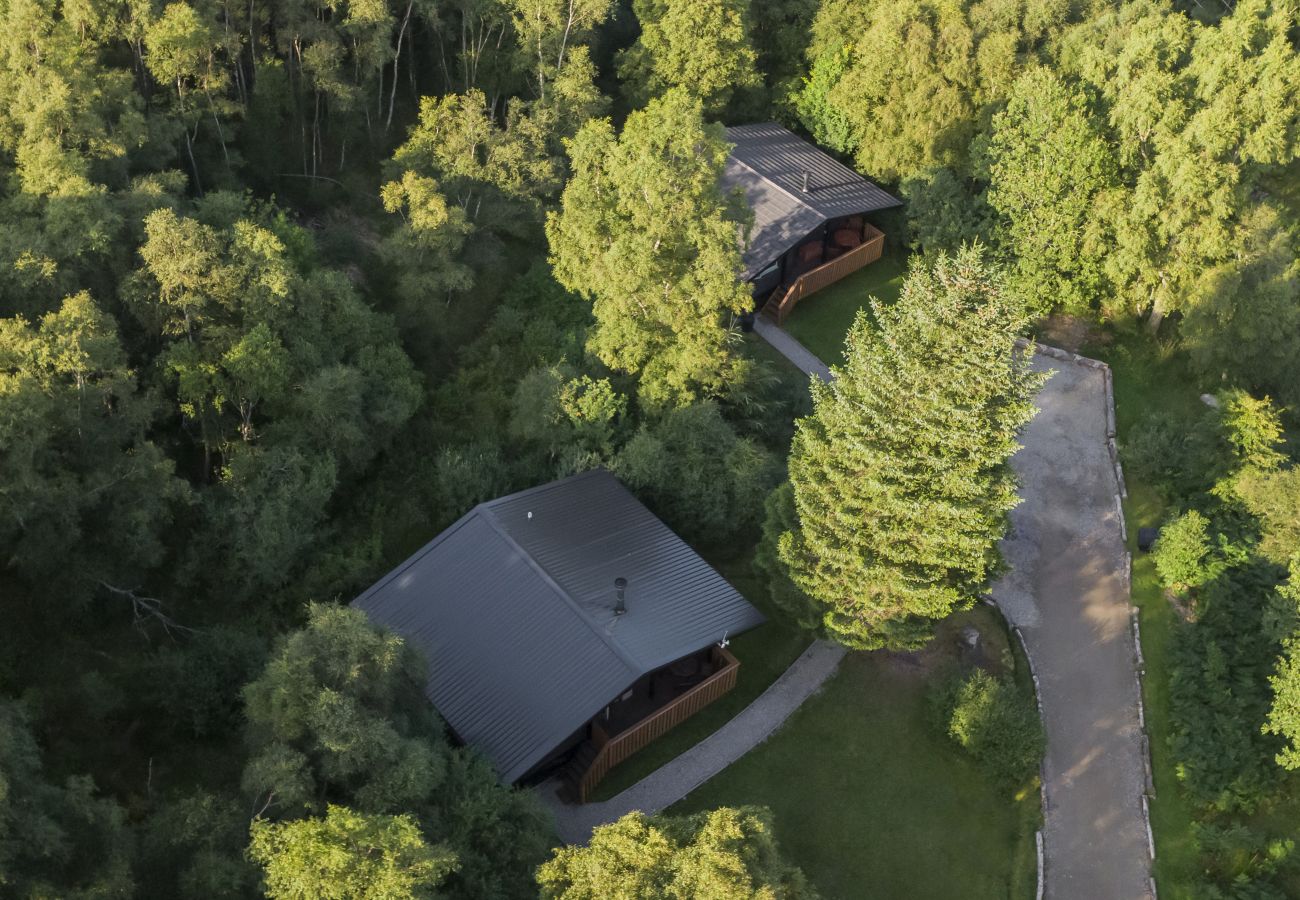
540,488
623,655
776,184
419,554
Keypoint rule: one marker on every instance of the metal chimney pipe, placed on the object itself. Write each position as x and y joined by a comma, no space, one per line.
805,182
620,589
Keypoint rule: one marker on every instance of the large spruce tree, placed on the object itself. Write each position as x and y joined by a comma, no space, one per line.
900,482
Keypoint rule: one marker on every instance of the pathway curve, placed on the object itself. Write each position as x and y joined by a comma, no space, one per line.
675,780
1067,590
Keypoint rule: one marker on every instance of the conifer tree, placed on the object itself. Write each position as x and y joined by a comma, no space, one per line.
900,482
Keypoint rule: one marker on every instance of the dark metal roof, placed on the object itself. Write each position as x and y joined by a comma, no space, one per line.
768,162
513,608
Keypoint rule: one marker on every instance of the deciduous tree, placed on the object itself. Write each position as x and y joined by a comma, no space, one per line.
348,856
645,232
86,494
1051,176
724,853
698,46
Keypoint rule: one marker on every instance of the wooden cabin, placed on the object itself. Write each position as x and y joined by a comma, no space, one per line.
565,628
811,216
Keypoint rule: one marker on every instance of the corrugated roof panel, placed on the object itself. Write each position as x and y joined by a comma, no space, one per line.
588,530
768,163
515,612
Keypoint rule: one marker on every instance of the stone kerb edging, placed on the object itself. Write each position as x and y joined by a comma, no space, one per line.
1042,774
1121,494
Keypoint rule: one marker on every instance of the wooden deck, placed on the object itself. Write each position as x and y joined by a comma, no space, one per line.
785,298
610,751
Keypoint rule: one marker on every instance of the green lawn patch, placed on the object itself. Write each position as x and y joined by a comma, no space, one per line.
821,321
872,801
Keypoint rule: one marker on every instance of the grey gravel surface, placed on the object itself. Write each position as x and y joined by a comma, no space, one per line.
791,349
1067,589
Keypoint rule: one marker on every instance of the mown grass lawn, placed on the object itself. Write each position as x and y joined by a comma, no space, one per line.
872,801
821,321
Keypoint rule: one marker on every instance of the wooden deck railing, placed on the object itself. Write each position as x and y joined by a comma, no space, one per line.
780,306
613,750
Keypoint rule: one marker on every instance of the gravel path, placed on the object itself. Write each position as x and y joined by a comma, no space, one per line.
1067,590
670,783
791,349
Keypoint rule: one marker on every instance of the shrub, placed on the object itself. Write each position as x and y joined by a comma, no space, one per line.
1182,552
1181,457
995,721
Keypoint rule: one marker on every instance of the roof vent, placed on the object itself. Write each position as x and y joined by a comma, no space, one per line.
620,591
805,182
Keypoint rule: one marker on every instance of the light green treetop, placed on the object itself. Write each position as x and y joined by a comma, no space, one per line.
645,232
348,856
726,854
700,46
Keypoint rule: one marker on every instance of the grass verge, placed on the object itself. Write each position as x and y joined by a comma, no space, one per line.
821,321
872,801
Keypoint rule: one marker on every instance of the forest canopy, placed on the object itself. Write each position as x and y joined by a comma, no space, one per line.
286,288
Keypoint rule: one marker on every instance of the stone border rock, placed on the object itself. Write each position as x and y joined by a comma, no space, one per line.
1042,774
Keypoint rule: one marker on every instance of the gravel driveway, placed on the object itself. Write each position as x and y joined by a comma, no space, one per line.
1068,591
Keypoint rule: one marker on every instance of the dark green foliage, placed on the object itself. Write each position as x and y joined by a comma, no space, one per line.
1242,862
995,721
1244,323
201,681
692,468
943,213
193,847
55,839
1220,693
339,717
1183,458
780,517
